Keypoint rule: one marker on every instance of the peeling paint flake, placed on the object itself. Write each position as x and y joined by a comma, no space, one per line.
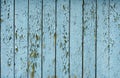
34,54
1,20
37,37
33,71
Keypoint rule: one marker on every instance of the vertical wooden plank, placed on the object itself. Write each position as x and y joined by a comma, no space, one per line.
21,8
62,55
34,63
89,38
48,38
76,39
103,39
114,39
6,20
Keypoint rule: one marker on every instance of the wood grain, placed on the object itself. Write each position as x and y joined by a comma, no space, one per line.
34,34
21,20
7,39
62,55
103,39
76,39
114,39
60,39
49,37
89,38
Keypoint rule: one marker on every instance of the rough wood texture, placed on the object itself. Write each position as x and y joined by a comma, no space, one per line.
114,54
76,39
49,37
7,53
34,34
60,39
89,38
62,57
21,27
103,62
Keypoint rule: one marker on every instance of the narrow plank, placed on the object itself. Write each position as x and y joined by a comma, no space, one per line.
7,60
76,39
62,48
89,38
48,38
34,63
21,8
114,39
103,39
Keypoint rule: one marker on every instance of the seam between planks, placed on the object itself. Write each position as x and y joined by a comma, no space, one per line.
0,39
96,43
69,35
28,41
83,39
14,38
55,34
42,40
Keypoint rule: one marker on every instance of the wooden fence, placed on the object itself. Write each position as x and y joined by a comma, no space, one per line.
60,38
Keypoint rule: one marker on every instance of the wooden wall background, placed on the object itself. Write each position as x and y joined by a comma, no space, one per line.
60,39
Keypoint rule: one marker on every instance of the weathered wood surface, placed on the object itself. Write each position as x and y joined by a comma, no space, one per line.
76,39
114,40
20,34
60,39
89,38
34,38
103,39
7,39
62,34
48,39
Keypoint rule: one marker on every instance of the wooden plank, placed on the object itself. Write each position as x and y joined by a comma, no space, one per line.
62,55
34,63
89,38
76,39
7,59
21,21
48,38
114,39
103,39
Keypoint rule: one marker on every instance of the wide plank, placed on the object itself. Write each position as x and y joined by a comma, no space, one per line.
62,44
48,39
114,41
34,38
7,39
21,42
89,40
76,39
103,39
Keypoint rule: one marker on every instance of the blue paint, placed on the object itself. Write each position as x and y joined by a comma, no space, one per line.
62,39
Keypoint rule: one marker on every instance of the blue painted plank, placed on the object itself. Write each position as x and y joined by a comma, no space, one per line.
89,38
76,39
62,55
103,39
114,39
21,8
34,63
48,39
7,59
